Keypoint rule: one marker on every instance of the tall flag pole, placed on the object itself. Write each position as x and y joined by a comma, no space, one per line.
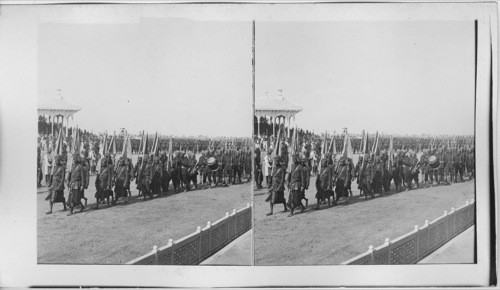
346,151
291,152
334,144
59,143
296,140
365,142
170,153
276,152
112,145
126,150
323,145
129,146
375,144
76,142
361,145
105,148
154,150
391,153
144,149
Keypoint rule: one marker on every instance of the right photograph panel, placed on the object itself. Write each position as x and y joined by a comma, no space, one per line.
364,137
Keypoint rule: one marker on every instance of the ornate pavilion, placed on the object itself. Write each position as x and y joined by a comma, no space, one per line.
278,110
58,110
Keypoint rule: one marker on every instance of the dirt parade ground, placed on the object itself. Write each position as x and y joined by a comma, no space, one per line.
335,234
118,234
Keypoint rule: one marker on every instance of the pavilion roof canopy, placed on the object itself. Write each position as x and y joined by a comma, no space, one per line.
57,105
272,104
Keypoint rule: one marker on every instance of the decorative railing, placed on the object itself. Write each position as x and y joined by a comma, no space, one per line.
422,241
198,246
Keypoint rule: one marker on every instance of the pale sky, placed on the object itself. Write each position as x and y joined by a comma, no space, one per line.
397,77
172,75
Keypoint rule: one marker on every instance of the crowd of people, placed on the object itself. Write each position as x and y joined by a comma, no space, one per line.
155,169
443,162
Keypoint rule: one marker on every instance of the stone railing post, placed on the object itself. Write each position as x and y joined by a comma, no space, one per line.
171,245
388,244
372,258
452,216
155,252
198,251
233,214
209,229
227,229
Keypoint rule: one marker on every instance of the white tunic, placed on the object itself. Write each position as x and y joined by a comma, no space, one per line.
267,165
47,167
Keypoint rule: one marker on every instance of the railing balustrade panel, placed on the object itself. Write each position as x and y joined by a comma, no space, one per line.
185,251
218,236
381,255
404,249
423,242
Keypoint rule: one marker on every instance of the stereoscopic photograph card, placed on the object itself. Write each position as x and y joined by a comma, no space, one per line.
304,144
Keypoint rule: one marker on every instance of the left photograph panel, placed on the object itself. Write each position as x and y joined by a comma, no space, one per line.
144,142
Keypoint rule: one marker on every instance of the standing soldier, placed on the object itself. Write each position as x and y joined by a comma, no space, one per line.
204,170
267,167
76,179
145,175
184,171
227,167
136,174
350,173
238,161
131,174
218,173
193,170
39,174
164,173
426,168
342,179
386,174
323,183
378,167
296,181
471,162
276,193
459,164
358,174
86,178
368,173
103,183
448,169
168,172
439,172
410,169
156,177
248,166
175,171
306,171
258,169
121,176
56,185
47,165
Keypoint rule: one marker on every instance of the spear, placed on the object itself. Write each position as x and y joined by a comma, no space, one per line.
365,142
142,140
291,152
277,144
391,153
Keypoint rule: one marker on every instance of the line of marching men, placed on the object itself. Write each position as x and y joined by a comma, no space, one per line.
373,173
152,175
